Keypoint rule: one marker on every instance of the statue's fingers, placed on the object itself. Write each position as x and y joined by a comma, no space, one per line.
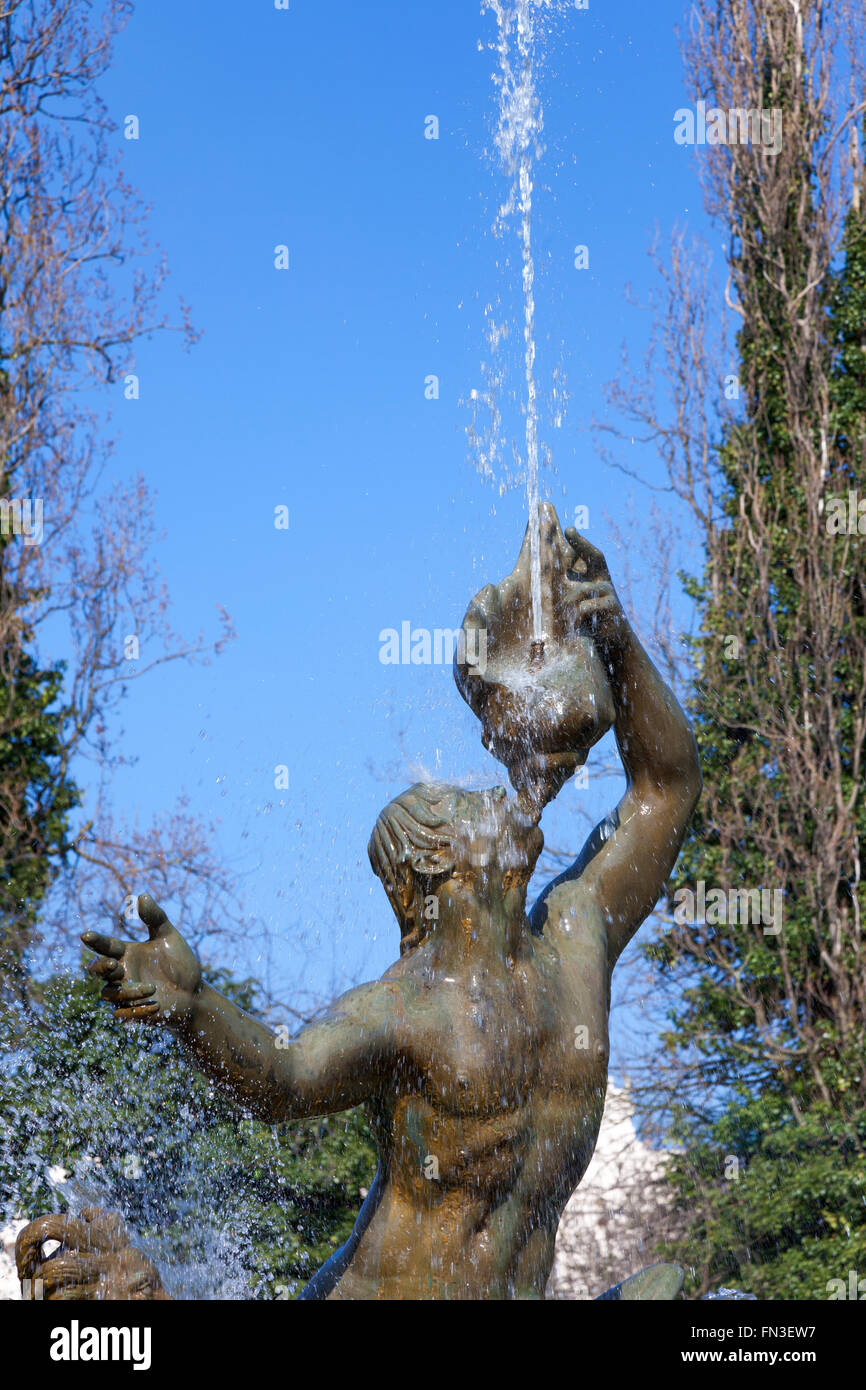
580,590
103,1218
105,968
602,603
137,1269
584,550
152,916
28,1247
138,1013
104,945
106,1231
127,993
93,1214
69,1271
595,611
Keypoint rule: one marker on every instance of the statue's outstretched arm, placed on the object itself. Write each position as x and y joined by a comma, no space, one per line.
330,1065
627,859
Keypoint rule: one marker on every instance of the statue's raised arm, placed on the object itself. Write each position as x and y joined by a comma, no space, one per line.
543,704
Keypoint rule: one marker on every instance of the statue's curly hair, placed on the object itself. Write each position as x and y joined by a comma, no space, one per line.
412,846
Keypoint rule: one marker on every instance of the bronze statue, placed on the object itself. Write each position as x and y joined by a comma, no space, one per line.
482,1054
95,1260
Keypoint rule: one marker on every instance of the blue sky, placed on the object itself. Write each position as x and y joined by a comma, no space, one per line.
305,127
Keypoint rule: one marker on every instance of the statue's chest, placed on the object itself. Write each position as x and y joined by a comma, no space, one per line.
482,1062
464,1118
479,1050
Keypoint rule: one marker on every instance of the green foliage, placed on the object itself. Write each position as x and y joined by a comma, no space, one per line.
848,329
229,1207
772,1166
787,1196
36,792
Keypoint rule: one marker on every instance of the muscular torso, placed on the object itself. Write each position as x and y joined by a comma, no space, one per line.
491,1122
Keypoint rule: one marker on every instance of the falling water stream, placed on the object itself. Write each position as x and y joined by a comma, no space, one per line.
517,141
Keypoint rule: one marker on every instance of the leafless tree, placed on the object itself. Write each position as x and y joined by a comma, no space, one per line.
80,285
782,682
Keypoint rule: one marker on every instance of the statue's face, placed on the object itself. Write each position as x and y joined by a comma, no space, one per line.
481,848
495,843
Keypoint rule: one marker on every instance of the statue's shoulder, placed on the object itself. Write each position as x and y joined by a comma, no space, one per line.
565,905
569,925
407,980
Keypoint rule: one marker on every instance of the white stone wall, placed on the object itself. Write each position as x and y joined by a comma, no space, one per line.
611,1224
9,1286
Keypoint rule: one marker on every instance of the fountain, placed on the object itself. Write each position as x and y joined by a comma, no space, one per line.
482,1053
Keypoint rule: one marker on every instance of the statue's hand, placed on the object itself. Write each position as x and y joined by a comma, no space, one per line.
95,1260
153,981
599,611
545,700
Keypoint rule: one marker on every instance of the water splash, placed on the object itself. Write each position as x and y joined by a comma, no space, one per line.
518,142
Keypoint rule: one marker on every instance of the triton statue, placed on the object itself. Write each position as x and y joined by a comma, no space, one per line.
482,1054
